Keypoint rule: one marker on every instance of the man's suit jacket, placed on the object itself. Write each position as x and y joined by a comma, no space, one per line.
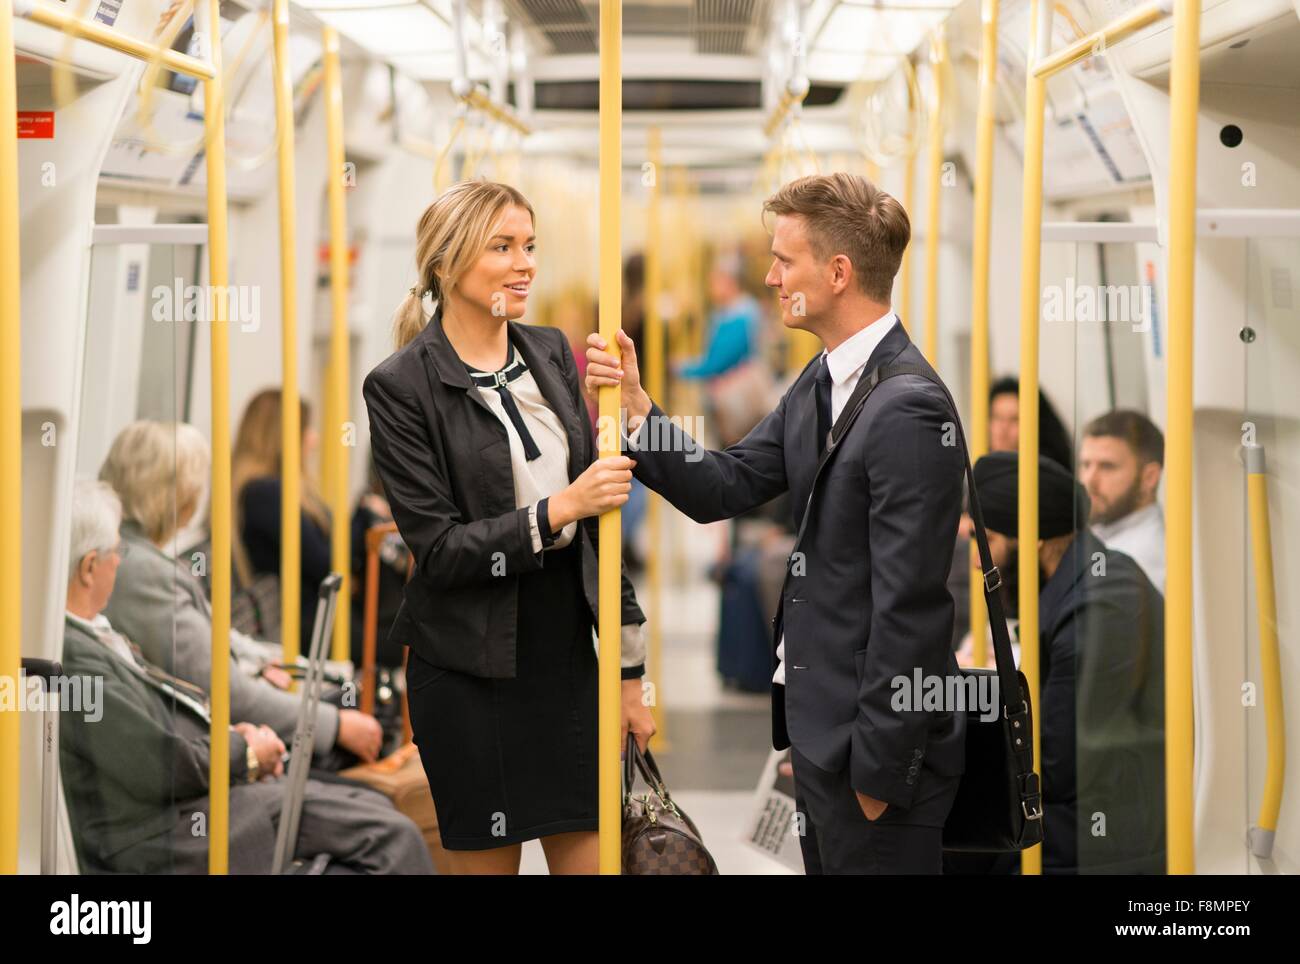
162,607
134,777
865,602
444,459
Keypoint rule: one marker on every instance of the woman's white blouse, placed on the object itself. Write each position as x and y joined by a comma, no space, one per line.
546,475
549,473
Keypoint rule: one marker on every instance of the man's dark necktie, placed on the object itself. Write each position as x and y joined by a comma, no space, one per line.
823,392
499,380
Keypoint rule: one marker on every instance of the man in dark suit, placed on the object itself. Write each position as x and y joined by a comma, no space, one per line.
1101,706
865,609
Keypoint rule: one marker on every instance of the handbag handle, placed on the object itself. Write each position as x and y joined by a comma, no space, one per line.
646,766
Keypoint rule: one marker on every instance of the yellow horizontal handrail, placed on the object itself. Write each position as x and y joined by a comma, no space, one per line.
1113,32
105,37
482,102
440,157
782,109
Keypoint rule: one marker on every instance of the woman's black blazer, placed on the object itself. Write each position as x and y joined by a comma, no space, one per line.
444,459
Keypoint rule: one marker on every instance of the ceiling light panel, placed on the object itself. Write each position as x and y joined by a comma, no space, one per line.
395,31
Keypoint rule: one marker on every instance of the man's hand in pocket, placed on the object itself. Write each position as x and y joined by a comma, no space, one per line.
871,807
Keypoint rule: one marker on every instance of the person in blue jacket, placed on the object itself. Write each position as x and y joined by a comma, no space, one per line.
733,324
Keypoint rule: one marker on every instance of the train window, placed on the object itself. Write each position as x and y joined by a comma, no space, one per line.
141,336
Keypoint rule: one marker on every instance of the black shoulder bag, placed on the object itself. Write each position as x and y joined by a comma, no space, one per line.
998,808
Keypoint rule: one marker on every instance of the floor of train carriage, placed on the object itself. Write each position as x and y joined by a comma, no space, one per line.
718,739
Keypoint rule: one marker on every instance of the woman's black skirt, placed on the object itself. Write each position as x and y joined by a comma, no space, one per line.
510,760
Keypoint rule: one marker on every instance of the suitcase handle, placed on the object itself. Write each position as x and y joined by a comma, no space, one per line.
286,838
375,537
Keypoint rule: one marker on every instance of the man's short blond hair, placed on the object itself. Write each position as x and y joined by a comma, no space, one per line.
847,214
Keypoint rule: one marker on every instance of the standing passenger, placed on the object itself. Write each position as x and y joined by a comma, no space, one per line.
865,601
482,441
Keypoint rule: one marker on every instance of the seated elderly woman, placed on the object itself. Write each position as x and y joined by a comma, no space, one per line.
136,774
159,472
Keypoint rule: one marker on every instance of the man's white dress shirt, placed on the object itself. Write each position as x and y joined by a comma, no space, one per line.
1139,535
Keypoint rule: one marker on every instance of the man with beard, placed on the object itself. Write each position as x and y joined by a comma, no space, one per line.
1120,463
1101,690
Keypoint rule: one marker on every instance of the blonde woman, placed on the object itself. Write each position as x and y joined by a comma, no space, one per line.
481,438
255,484
160,471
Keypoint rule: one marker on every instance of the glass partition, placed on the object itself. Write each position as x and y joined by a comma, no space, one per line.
135,774
1100,702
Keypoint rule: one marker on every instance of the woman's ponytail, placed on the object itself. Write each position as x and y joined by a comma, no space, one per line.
409,320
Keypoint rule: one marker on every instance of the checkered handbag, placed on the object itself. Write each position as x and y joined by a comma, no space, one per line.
658,837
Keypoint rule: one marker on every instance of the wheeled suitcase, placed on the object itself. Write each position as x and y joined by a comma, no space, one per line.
295,784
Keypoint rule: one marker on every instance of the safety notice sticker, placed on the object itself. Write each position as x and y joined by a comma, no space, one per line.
36,123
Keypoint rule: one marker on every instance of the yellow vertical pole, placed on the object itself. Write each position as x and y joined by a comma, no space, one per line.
938,62
290,419
698,278
610,397
336,434
1030,269
214,123
682,232
654,376
905,271
11,443
1184,103
979,326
